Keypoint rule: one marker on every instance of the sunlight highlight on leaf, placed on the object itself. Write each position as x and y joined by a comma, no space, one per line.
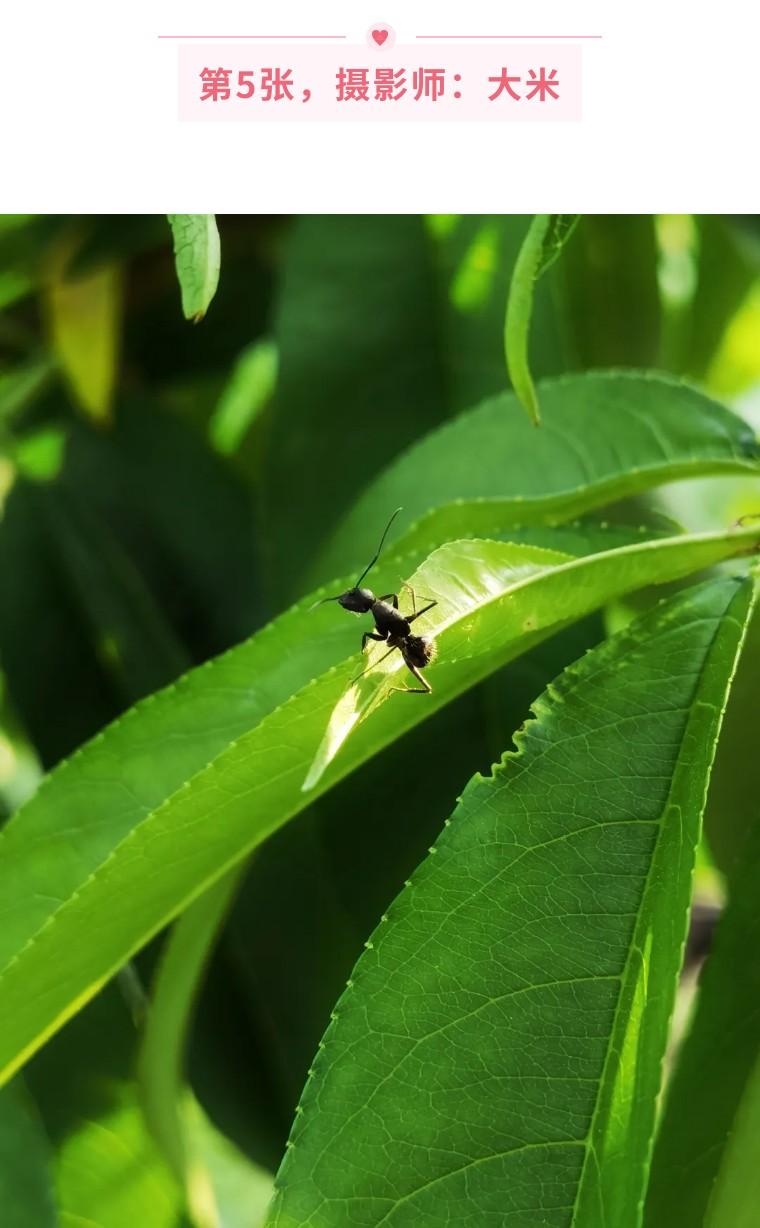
473,279
460,577
244,396
85,321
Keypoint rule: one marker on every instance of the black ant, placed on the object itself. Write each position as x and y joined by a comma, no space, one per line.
391,626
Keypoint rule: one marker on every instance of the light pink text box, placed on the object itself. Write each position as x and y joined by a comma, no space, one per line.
314,68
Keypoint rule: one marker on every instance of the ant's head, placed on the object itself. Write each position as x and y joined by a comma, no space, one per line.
357,600
360,600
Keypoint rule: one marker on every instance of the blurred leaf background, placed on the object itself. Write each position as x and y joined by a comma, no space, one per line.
165,487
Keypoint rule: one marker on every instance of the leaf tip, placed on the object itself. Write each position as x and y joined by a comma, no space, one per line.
312,777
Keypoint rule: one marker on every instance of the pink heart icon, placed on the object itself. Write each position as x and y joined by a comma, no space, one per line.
379,36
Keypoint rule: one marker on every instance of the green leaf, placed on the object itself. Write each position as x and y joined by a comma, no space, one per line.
45,649
474,257
315,890
375,369
244,396
733,806
85,324
736,1196
183,517
14,284
461,580
24,246
705,1159
726,270
163,1049
39,455
26,1188
197,256
547,235
134,826
130,636
241,1190
78,619
108,1172
605,436
21,387
496,1056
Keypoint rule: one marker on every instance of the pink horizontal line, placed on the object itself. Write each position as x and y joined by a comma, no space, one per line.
272,37
552,36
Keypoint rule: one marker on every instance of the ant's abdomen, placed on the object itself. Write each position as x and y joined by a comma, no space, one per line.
420,650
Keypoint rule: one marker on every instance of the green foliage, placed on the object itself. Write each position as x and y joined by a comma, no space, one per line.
705,1164
547,235
605,436
26,1193
610,273
163,1049
104,1165
85,328
498,1055
367,284
497,599
197,256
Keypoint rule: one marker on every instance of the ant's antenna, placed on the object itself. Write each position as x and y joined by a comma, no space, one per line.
370,565
366,569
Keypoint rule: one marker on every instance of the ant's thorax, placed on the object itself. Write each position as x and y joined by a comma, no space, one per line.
388,620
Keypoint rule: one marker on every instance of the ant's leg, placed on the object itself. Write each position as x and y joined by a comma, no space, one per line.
370,635
392,597
374,663
414,602
424,610
425,689
410,590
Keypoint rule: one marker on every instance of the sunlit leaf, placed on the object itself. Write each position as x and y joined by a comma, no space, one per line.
244,396
85,323
485,596
149,814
